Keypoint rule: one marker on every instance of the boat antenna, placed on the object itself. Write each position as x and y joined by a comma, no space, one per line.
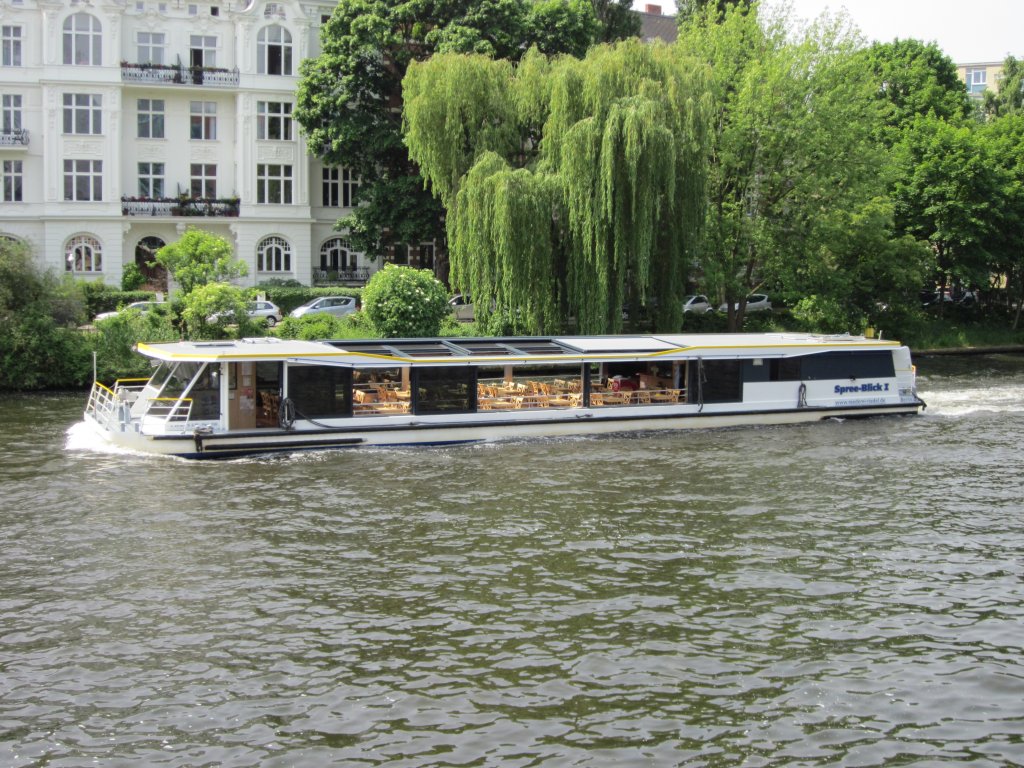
94,366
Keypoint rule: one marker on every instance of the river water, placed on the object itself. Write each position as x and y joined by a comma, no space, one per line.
845,593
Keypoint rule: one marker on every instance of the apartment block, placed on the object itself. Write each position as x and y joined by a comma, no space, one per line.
126,122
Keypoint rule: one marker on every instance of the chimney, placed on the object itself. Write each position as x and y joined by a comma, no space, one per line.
654,10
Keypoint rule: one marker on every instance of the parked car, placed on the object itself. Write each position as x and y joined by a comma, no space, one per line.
462,308
266,310
139,306
756,302
339,306
697,304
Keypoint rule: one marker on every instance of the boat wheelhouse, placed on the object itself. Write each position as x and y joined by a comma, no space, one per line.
209,399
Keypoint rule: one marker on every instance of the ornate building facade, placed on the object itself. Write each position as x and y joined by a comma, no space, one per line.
125,122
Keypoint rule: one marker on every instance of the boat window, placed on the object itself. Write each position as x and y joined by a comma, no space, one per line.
785,369
205,394
160,375
320,391
449,389
717,381
848,365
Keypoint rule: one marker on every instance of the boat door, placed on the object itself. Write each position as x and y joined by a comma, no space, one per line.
241,396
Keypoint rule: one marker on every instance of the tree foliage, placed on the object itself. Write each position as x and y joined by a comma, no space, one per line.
346,95
39,344
793,125
405,302
199,257
218,310
1008,96
914,79
946,182
573,186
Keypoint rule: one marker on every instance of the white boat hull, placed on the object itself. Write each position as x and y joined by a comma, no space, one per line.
424,431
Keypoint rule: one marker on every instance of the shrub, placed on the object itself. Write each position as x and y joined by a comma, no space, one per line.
323,326
405,302
217,311
116,337
132,277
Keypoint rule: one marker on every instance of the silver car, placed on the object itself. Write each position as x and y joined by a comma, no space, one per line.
756,302
697,304
339,306
267,310
139,306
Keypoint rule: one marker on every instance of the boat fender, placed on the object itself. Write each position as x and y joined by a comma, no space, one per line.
198,434
801,396
286,413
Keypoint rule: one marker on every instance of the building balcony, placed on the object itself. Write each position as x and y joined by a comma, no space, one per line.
328,277
14,138
180,206
175,74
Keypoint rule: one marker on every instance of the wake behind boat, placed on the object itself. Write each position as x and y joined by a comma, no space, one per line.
213,399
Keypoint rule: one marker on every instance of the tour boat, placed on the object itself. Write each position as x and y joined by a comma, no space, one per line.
213,399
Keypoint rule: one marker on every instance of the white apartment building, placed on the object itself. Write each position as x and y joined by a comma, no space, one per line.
126,121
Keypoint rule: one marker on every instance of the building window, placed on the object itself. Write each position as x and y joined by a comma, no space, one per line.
10,113
83,180
426,255
273,254
274,51
12,177
349,186
83,40
976,80
203,120
274,120
83,113
83,254
151,179
331,188
151,118
339,187
11,37
203,184
150,47
202,51
336,255
273,183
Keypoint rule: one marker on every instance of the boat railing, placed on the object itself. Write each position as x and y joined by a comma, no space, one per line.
170,409
104,403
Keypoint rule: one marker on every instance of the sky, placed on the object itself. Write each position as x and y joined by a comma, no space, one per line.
969,31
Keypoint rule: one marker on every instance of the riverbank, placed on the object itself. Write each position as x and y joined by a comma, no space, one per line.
1004,349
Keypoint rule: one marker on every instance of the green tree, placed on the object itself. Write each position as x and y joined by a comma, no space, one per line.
116,337
1005,137
212,310
199,257
1008,97
405,302
346,95
860,274
913,79
581,189
947,188
39,344
792,138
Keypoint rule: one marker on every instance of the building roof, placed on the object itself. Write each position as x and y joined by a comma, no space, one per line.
656,26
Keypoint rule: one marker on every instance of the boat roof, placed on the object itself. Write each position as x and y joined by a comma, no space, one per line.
523,349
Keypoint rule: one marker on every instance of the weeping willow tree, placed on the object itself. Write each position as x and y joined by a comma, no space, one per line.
583,183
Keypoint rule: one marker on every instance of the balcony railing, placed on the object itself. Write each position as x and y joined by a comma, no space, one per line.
18,138
174,74
179,206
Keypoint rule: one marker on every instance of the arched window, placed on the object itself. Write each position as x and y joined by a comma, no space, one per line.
336,255
274,51
273,254
83,40
83,253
